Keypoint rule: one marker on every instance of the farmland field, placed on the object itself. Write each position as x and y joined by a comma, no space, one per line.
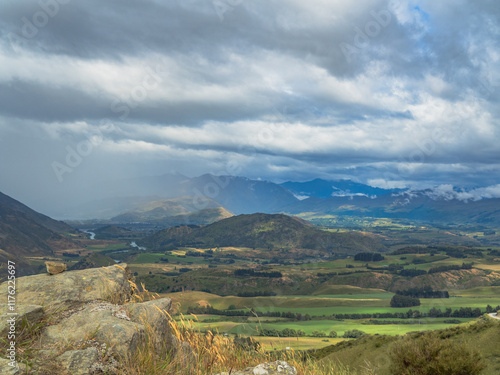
308,295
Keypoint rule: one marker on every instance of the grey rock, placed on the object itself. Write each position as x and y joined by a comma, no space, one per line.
79,362
7,369
32,314
101,322
154,314
91,326
55,267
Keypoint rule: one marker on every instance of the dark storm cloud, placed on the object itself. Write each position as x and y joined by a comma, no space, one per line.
394,92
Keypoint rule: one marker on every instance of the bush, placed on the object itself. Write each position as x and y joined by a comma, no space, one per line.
353,334
429,355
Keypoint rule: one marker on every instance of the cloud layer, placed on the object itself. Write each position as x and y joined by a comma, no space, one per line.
396,93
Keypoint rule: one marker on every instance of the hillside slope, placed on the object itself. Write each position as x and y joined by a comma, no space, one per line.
372,351
24,232
56,226
263,231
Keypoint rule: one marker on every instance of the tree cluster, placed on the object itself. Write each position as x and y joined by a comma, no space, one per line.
404,301
368,257
464,266
253,273
425,292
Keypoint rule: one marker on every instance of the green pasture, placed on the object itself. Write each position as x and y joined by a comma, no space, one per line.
325,326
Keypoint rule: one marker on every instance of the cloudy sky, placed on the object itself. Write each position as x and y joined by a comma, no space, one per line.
391,93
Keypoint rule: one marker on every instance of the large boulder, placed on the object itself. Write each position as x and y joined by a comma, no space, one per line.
73,289
90,325
103,322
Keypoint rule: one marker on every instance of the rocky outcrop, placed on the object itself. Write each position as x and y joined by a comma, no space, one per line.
73,289
274,368
89,324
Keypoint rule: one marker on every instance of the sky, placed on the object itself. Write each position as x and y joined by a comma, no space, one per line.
389,93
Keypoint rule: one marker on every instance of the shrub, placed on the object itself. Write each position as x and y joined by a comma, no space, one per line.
353,334
429,355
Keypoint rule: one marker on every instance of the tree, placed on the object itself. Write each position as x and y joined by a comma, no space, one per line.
332,334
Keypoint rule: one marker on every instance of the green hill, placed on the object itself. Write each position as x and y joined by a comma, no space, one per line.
111,232
175,211
93,260
373,351
262,231
201,217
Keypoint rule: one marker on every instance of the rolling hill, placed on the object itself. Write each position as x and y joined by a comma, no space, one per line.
262,231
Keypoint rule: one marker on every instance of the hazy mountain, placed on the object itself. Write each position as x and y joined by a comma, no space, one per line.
160,210
325,189
262,231
131,203
239,194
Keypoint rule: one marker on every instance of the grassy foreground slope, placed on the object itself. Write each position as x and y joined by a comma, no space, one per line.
374,351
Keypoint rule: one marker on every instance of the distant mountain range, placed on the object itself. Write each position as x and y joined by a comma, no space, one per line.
262,231
177,199
324,189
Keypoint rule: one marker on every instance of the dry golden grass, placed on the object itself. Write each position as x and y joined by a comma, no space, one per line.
207,353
